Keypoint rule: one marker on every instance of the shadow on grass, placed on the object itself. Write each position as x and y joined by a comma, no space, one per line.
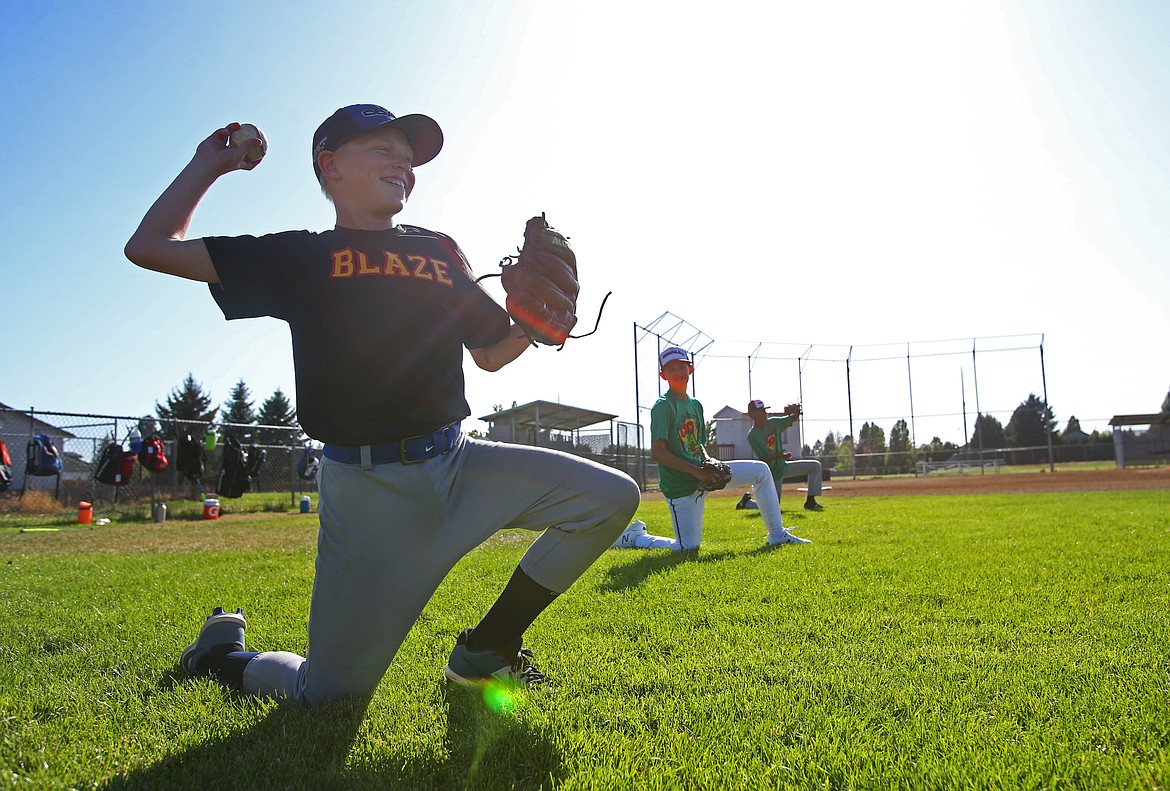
652,562
295,747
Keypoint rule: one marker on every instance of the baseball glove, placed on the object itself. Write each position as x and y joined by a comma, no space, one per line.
722,477
541,283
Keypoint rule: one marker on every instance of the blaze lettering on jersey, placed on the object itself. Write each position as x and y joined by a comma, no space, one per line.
349,263
394,266
689,435
420,264
364,267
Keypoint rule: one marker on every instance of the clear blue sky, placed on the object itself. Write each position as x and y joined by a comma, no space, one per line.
775,172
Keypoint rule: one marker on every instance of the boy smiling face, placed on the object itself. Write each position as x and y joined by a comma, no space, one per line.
369,177
677,373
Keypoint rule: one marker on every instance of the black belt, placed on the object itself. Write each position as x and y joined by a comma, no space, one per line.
410,450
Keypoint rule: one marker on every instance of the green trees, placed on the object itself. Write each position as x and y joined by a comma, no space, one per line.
238,408
936,450
1030,429
844,453
1030,423
900,457
871,448
189,402
826,450
278,411
186,402
1030,437
988,433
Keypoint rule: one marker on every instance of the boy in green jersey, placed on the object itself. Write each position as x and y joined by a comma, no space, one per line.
766,440
678,433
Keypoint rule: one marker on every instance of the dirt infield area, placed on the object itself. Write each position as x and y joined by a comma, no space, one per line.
990,482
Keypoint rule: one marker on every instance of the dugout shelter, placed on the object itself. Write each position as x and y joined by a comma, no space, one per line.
1141,439
546,424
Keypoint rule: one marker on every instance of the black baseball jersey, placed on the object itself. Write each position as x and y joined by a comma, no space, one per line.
379,320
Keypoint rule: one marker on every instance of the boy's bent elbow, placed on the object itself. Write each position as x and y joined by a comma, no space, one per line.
135,253
145,256
187,259
486,363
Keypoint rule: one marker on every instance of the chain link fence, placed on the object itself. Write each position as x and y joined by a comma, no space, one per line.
80,440
988,459
617,447
276,483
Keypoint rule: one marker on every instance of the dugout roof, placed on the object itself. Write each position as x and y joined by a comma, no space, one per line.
1155,419
542,415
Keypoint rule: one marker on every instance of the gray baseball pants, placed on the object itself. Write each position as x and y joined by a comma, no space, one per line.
391,533
809,467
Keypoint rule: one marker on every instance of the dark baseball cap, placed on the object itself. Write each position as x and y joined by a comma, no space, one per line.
424,134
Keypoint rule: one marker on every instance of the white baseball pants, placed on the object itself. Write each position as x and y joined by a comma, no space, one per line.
686,513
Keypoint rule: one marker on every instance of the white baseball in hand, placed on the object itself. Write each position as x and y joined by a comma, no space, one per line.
248,132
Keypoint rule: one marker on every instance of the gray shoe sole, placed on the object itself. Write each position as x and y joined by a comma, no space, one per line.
220,629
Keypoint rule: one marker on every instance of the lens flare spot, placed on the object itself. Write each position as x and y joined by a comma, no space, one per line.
502,698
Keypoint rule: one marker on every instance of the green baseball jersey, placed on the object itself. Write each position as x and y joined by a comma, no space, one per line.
767,441
680,422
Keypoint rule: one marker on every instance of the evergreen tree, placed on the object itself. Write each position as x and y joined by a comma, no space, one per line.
238,409
1073,431
900,456
186,402
826,451
871,446
278,411
988,433
1166,402
1030,424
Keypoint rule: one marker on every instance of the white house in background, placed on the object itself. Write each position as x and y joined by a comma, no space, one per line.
731,430
17,428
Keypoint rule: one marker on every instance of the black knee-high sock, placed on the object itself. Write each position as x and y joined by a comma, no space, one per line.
228,668
502,629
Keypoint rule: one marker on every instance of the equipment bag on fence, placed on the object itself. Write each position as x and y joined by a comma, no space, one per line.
256,458
42,457
106,469
126,465
152,453
115,466
5,467
233,472
189,456
307,466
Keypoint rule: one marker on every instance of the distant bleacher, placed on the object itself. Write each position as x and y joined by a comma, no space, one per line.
927,467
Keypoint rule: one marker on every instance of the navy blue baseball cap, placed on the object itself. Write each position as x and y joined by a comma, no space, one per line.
424,134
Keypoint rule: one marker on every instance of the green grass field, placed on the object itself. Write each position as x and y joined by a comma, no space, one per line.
1014,641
